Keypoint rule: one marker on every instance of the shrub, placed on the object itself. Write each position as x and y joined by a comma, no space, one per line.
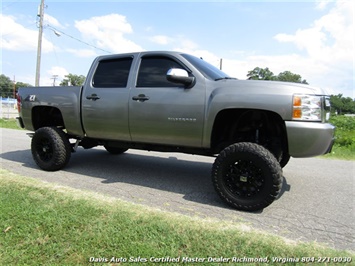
345,130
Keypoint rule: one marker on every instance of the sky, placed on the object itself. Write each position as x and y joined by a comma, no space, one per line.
314,39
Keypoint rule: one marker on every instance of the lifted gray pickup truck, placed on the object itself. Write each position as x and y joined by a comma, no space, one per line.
175,102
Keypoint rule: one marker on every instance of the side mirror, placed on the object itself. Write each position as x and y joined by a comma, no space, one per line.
181,76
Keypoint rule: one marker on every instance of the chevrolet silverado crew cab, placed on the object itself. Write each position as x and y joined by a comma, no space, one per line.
175,102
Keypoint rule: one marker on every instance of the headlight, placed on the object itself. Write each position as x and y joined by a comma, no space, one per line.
327,108
307,107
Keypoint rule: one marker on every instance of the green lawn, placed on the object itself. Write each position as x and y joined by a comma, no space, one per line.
344,147
45,224
341,153
8,123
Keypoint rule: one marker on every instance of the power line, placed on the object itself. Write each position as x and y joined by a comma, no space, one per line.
56,31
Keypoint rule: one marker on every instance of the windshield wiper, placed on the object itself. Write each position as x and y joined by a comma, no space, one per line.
224,78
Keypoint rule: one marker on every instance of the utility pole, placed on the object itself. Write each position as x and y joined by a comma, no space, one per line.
14,87
39,46
54,77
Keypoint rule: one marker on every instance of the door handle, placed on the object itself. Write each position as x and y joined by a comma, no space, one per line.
140,98
93,97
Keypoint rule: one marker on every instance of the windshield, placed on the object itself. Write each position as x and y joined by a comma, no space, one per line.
208,70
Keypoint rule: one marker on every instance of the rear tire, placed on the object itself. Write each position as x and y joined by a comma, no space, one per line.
50,148
247,176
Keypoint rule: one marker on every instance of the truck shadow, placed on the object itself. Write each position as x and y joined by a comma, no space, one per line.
191,179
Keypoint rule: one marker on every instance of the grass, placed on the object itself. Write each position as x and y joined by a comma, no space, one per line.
44,224
8,123
344,146
341,152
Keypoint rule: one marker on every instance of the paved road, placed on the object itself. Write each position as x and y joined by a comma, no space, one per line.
316,203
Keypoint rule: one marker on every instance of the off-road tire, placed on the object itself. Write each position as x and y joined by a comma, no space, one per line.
115,150
51,149
247,176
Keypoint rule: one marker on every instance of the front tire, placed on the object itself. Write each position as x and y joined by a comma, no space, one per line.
50,148
284,160
247,176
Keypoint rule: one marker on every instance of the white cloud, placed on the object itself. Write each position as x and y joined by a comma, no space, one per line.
46,78
186,44
161,39
27,78
322,4
330,38
107,32
56,72
311,70
332,78
52,21
329,47
16,37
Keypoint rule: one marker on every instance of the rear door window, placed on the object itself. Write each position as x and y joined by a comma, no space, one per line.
112,73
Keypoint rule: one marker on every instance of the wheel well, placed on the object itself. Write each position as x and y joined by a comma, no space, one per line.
47,116
250,125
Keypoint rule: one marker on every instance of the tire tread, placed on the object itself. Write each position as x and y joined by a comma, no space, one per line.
258,151
61,146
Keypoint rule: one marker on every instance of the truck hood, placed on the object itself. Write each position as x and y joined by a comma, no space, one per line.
274,96
268,87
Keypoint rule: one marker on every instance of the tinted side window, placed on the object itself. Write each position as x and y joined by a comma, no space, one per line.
152,72
112,73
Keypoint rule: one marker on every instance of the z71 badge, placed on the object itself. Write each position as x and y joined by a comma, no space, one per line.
31,98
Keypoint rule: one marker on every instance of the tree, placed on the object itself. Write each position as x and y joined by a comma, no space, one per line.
288,76
342,105
260,74
265,74
73,80
21,85
6,86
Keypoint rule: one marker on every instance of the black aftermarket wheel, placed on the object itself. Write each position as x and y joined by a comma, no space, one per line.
247,176
50,148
